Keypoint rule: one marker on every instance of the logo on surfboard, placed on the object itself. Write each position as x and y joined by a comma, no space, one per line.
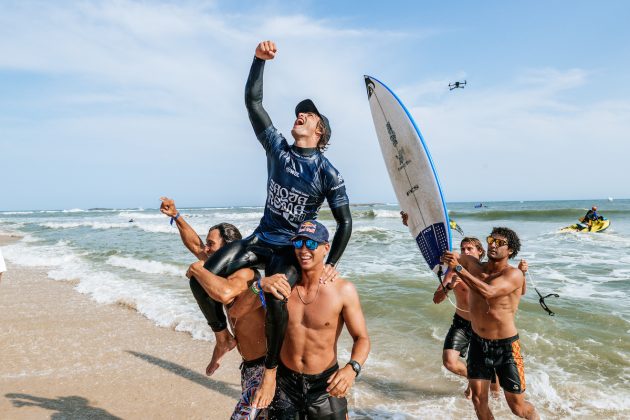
369,85
392,134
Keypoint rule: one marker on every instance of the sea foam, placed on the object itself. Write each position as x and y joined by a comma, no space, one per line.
146,266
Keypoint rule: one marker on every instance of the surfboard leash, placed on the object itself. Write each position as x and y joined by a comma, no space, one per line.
542,298
440,273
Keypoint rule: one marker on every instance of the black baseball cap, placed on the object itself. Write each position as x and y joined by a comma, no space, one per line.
308,106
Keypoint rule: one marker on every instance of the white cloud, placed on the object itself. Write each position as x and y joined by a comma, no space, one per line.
162,84
133,76
528,141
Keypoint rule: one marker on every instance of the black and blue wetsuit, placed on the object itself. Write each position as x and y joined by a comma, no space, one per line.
299,180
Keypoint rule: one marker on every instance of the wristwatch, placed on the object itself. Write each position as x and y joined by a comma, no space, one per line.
355,366
458,268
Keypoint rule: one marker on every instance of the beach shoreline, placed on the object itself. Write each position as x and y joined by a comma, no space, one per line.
134,272
68,355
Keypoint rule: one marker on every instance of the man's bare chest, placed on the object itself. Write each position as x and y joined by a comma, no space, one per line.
317,316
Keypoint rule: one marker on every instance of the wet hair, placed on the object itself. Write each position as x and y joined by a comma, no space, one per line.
322,144
514,243
477,243
229,232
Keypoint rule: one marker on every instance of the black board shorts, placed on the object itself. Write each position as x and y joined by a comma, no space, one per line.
300,395
501,357
458,337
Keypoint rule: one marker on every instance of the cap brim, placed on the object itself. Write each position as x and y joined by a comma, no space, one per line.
303,235
306,106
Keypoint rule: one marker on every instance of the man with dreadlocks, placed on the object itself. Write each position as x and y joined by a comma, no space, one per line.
495,291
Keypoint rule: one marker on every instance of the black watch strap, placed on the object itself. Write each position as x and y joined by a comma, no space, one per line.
355,366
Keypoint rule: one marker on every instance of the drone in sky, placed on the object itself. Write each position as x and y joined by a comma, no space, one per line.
457,85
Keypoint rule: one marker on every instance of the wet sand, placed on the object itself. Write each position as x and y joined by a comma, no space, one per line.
66,356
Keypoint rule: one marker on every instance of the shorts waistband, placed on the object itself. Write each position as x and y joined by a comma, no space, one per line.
457,317
307,376
251,363
499,342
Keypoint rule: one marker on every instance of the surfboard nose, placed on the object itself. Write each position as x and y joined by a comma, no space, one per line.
369,85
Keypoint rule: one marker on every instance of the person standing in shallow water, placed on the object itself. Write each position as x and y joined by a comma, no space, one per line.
495,292
299,180
458,337
459,334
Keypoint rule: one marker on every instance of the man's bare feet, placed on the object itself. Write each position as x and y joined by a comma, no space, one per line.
468,392
266,391
225,343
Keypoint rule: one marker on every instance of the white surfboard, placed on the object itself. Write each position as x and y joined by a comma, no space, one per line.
411,172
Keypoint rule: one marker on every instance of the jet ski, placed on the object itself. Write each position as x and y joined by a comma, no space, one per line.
599,225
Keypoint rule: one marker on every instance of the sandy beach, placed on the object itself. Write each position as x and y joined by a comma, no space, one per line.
70,350
66,356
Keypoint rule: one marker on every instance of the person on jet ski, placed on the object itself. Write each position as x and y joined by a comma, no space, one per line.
591,216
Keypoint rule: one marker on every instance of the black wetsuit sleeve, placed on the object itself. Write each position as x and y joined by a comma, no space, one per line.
343,216
254,96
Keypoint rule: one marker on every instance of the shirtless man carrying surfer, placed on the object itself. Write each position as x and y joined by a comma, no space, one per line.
311,384
239,293
299,179
495,291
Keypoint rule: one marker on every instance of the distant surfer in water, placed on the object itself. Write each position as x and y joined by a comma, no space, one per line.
299,179
495,292
239,293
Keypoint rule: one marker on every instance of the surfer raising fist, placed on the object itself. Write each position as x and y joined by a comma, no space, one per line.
299,179
266,50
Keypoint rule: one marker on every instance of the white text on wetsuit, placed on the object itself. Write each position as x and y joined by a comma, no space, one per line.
290,202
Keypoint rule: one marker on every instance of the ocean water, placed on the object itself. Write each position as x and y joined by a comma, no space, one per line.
576,363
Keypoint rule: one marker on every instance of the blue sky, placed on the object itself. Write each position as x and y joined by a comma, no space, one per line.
115,103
